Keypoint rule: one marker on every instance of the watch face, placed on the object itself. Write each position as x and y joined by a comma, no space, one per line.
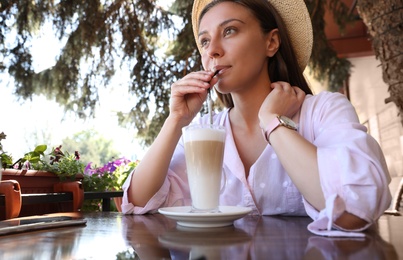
288,122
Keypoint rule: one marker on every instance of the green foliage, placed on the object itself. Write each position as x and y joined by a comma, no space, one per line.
63,164
33,157
97,150
92,146
121,174
127,255
104,36
2,137
100,37
5,159
325,65
110,176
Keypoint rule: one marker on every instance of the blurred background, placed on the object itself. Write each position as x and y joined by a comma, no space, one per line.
94,76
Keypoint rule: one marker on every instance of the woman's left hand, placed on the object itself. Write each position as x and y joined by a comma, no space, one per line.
284,99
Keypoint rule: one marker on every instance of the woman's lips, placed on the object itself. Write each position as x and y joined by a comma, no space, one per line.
220,69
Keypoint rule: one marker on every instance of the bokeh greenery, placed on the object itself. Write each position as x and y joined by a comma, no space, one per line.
102,37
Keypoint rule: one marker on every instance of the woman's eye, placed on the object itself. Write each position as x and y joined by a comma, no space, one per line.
228,31
203,42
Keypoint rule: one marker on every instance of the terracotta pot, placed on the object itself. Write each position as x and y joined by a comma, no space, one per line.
34,182
74,187
12,199
118,203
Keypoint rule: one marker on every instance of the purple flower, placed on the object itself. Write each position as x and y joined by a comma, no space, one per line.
88,170
26,165
107,168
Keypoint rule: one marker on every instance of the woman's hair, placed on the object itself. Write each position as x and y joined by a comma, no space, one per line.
283,66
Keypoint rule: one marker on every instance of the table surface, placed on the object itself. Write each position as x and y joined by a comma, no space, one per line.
109,235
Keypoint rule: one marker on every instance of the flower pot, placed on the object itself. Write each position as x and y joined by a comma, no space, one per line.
118,203
35,182
12,199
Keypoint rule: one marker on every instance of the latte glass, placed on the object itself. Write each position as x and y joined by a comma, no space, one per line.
204,151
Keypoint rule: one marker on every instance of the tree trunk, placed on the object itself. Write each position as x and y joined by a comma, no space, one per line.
384,20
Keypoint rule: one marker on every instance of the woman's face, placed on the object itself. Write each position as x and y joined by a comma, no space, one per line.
233,42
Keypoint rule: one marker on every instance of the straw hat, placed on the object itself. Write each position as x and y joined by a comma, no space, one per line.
296,19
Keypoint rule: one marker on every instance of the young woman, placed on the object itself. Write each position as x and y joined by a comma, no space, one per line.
287,151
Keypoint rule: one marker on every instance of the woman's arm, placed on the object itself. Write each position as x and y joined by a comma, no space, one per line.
298,156
152,169
187,97
301,157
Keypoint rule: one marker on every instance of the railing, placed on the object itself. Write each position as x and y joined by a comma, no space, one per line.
106,197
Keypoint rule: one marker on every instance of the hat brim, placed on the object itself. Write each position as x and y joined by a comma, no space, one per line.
295,16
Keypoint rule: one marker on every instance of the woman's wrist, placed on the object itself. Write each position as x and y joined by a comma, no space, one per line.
176,122
265,120
276,122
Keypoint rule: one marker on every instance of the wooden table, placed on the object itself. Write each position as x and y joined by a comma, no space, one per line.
110,234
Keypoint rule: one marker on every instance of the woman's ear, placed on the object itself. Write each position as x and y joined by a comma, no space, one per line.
273,42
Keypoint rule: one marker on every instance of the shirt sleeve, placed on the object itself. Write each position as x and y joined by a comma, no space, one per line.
353,172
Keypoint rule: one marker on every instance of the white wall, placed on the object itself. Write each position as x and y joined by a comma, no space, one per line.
368,92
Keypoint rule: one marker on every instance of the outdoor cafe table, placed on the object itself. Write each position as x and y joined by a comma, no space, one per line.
110,235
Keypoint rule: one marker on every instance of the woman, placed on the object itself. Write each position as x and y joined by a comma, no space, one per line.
328,167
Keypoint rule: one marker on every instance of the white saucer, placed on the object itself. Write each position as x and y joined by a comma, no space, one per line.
225,217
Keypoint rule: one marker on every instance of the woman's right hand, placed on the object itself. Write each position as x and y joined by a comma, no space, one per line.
188,95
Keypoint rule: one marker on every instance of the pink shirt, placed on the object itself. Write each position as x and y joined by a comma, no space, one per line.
352,169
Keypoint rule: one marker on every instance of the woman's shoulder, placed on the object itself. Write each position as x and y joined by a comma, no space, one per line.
325,96
326,99
328,105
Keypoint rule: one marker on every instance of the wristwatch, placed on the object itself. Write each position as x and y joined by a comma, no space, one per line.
276,122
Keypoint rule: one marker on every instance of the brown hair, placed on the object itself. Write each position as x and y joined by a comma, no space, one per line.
283,66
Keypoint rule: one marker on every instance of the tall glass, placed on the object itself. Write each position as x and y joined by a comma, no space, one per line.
204,151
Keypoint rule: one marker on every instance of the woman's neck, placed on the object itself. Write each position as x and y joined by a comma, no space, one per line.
247,106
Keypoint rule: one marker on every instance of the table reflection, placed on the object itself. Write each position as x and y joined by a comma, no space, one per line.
341,248
109,235
207,243
58,243
252,237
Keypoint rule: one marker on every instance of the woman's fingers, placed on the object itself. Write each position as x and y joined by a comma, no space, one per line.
300,94
284,99
284,87
188,95
196,82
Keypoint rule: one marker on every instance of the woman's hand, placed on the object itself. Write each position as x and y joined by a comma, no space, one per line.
284,100
188,95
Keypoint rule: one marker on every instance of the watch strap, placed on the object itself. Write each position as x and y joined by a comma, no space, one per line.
273,125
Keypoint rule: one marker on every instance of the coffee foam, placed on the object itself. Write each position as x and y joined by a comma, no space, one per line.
202,134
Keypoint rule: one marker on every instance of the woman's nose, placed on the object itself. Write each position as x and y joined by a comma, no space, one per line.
215,48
